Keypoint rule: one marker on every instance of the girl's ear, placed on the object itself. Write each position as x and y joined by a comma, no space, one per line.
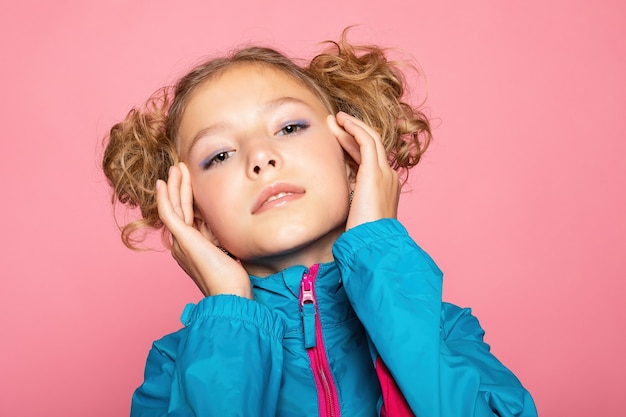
204,230
351,170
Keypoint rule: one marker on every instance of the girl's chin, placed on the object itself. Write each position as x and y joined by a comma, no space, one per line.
276,261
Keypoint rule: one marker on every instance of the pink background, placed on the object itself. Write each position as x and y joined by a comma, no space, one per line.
520,200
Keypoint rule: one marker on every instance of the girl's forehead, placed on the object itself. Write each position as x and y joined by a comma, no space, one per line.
258,73
250,82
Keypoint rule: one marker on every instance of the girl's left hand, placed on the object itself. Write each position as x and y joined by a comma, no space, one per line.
377,185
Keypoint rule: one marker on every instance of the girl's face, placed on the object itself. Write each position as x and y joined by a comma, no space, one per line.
268,175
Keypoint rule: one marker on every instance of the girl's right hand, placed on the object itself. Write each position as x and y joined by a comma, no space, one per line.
213,270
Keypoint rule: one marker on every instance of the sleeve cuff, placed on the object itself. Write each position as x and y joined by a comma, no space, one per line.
363,235
234,308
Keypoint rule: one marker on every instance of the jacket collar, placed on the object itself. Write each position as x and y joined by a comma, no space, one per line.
287,282
281,291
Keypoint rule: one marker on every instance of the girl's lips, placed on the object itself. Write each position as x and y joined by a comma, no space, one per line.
276,195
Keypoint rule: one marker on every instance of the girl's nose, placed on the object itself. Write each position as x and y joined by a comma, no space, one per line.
262,157
257,168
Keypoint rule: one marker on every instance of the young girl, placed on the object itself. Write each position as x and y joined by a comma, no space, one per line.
279,186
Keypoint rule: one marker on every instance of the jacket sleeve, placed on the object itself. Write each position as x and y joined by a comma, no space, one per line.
434,351
227,360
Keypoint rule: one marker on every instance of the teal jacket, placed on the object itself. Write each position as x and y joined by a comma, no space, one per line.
365,335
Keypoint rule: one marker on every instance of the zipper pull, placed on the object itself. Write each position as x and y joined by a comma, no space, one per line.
307,306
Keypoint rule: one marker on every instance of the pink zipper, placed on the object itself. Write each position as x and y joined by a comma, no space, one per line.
327,398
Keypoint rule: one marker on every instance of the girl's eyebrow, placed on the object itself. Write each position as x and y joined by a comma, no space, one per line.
205,132
267,107
273,104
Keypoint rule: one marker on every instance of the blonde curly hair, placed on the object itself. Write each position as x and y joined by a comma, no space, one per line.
358,80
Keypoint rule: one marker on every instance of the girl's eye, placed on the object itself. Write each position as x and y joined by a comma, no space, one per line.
216,159
292,128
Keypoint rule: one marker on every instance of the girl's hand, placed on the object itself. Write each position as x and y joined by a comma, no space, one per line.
377,186
213,271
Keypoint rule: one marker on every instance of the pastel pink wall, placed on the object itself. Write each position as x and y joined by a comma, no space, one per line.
520,200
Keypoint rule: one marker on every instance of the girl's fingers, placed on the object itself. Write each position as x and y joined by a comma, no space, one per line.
186,194
173,189
346,140
167,214
177,198
368,140
346,118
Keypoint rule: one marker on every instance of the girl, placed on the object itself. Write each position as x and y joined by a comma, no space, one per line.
281,197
